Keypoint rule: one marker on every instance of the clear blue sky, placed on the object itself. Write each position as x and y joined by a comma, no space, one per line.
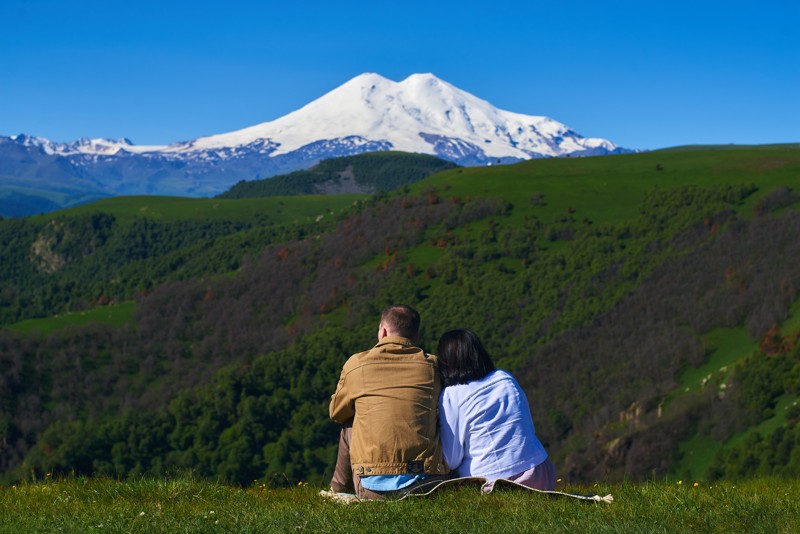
643,74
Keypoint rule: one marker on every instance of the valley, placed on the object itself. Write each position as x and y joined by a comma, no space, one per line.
623,291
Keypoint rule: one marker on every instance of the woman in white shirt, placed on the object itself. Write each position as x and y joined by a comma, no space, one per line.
486,424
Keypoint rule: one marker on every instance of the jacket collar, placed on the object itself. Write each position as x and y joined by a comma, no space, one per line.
396,340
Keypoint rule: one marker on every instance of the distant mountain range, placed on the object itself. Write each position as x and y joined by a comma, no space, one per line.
369,113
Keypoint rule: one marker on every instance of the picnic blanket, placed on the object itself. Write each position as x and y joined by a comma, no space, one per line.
486,486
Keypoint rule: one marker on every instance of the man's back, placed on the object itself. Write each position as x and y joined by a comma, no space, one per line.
391,392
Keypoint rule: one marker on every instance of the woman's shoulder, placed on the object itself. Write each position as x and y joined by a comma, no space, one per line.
499,375
490,380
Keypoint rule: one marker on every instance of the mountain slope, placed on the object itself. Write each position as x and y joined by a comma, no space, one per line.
596,281
365,173
369,113
419,114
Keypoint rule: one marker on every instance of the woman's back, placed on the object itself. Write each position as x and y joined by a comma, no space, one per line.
487,429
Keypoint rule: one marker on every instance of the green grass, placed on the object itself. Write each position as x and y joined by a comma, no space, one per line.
423,255
272,210
114,315
608,189
726,346
767,426
181,505
699,451
697,455
792,322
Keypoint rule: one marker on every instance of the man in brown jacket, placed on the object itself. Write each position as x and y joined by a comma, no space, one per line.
387,400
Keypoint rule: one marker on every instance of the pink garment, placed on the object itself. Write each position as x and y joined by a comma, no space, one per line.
542,477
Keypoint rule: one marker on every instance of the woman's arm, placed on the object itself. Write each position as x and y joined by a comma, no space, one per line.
451,435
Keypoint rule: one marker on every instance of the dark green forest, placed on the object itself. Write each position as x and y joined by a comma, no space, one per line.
596,281
372,172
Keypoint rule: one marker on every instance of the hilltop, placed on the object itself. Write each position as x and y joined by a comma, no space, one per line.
647,304
366,173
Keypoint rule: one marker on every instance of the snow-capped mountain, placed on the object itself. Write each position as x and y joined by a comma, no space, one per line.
415,115
368,113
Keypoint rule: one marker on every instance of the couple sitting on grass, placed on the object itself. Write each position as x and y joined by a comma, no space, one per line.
388,398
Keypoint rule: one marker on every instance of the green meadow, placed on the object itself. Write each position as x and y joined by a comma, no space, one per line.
609,189
726,348
570,244
113,315
186,505
270,210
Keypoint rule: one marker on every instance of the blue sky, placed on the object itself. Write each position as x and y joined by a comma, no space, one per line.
642,74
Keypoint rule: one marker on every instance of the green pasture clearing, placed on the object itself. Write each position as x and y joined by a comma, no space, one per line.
271,210
792,322
767,426
91,505
423,256
113,315
697,454
725,347
608,189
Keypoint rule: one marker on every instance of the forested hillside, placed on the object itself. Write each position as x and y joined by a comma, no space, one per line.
366,173
614,288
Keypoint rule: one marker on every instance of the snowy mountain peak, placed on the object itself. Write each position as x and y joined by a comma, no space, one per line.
426,78
421,113
368,113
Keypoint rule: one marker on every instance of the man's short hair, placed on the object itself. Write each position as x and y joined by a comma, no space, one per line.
402,320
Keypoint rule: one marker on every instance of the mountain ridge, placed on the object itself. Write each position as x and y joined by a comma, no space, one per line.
421,114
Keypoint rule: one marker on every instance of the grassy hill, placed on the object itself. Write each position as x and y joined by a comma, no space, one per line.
647,304
111,250
610,189
365,173
267,211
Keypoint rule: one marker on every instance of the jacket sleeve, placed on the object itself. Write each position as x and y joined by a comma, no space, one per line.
342,407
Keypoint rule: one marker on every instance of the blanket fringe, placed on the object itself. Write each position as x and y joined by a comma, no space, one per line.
349,498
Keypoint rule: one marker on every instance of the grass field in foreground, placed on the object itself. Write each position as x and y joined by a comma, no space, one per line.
185,505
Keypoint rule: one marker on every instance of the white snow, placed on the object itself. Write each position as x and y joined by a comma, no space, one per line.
378,109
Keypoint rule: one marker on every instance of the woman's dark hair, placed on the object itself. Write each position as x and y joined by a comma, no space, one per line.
462,358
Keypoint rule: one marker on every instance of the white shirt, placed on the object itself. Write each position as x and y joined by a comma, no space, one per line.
487,429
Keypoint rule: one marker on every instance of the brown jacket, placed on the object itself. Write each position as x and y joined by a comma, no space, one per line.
391,392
